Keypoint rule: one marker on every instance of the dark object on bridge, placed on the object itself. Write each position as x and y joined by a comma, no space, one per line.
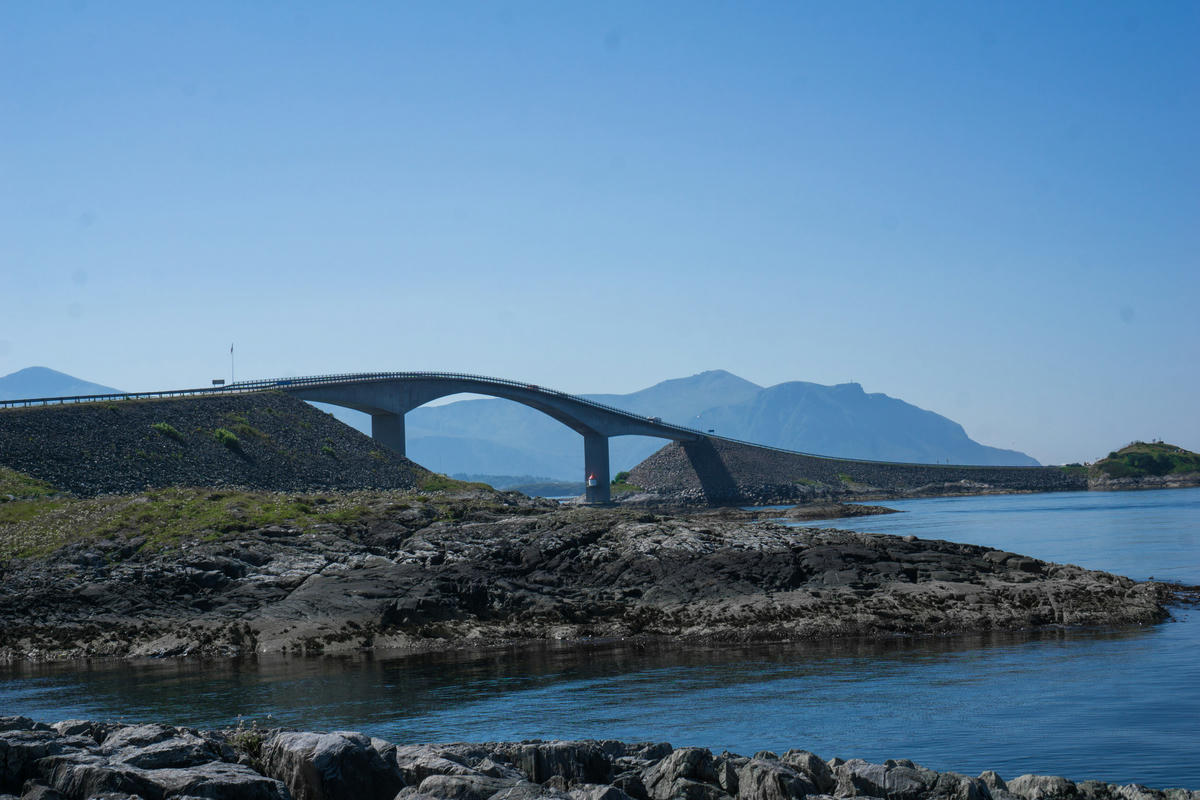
218,381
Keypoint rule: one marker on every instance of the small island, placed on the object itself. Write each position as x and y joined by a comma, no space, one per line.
1144,465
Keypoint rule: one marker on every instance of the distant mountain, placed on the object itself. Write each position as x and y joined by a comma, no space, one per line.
45,382
845,421
499,437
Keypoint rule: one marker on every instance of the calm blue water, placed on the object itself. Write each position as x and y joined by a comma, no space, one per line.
1119,705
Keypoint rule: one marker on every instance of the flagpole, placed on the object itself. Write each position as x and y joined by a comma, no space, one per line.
231,364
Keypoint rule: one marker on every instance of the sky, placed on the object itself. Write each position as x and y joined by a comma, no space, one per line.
991,211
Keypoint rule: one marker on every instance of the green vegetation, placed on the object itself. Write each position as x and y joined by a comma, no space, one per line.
168,430
228,438
621,485
20,486
240,425
328,451
1074,469
166,517
437,482
1139,459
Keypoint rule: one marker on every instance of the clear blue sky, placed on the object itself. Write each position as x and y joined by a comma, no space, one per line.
989,210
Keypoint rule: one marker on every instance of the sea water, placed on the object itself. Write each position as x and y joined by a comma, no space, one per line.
1120,705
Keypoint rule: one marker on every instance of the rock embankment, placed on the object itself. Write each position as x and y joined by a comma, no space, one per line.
267,440
423,572
1105,483
77,759
723,472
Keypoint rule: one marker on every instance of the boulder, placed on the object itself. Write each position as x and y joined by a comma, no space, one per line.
690,764
812,767
331,766
577,762
418,762
1135,791
595,791
763,779
217,780
953,786
87,775
182,751
34,790
136,736
992,780
472,787
21,748
1042,787
859,777
631,783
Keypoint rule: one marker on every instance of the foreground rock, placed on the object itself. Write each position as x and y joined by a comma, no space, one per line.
430,574
77,759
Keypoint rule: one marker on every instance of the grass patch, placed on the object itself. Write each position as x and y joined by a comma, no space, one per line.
1140,459
441,483
228,438
621,485
20,486
167,517
168,430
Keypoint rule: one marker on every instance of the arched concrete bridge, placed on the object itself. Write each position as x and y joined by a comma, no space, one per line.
388,396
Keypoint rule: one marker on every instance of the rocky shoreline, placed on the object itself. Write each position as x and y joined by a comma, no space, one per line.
79,760
417,572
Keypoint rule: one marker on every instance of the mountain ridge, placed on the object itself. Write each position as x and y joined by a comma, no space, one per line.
33,382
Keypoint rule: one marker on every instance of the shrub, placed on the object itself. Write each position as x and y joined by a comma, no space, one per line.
327,450
228,438
168,430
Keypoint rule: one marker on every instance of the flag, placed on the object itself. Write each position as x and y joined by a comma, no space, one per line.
231,349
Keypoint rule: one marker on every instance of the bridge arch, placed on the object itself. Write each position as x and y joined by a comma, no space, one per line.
387,397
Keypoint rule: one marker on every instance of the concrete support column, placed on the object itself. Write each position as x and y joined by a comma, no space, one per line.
595,467
388,430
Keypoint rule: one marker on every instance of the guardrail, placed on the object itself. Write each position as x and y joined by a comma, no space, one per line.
244,387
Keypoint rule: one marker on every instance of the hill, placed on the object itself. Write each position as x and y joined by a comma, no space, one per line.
270,441
1139,459
45,382
1146,465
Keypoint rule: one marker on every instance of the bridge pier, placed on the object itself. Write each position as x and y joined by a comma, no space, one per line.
388,430
595,465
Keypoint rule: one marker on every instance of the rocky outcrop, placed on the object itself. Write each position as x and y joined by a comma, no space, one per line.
430,573
77,760
279,443
718,471
1098,481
